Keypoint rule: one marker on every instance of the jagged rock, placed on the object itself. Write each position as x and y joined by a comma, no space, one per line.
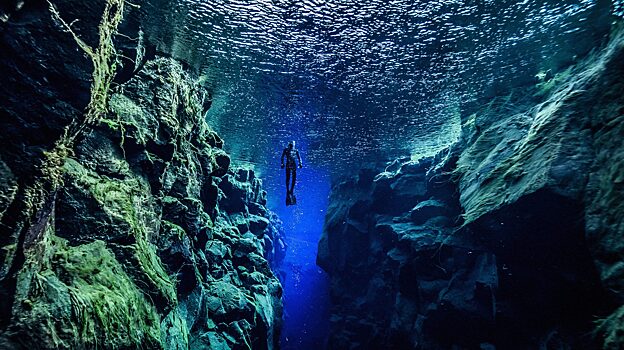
222,164
176,252
146,242
481,246
427,210
258,224
420,280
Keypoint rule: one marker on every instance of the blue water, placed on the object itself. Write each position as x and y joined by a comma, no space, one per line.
356,82
306,299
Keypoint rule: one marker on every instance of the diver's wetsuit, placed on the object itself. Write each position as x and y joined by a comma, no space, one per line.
291,153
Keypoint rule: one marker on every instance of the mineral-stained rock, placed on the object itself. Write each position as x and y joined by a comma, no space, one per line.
509,239
150,239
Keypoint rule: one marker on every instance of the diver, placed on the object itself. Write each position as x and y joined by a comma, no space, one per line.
291,154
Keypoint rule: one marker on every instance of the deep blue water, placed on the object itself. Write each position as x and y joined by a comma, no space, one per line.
306,299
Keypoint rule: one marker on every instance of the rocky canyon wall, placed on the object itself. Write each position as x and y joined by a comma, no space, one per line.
123,224
511,238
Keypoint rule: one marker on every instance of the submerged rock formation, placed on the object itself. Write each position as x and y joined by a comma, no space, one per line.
133,231
511,238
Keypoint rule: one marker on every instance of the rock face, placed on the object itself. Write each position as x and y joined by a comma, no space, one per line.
148,238
511,238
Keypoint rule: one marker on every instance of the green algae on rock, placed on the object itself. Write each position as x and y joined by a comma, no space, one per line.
121,254
81,297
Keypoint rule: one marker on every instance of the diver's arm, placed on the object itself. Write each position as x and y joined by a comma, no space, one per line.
283,155
299,158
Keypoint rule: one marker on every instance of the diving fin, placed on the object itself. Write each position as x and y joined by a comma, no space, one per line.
291,199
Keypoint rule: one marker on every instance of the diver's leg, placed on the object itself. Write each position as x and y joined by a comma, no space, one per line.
294,178
287,179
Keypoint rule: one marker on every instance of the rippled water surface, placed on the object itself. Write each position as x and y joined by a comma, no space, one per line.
362,80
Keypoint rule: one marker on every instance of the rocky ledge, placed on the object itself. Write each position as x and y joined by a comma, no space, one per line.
510,239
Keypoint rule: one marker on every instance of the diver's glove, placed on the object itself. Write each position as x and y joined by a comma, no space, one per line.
300,166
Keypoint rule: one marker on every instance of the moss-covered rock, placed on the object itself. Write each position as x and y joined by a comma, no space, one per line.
139,240
79,297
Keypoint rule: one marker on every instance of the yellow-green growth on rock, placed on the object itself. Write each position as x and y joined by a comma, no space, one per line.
80,297
108,305
612,329
127,201
104,58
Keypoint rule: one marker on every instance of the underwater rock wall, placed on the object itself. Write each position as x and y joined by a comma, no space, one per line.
136,234
510,238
